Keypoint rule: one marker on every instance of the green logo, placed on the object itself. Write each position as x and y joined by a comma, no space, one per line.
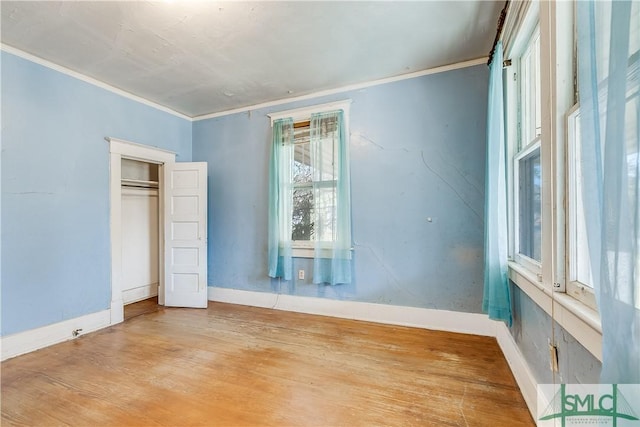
587,405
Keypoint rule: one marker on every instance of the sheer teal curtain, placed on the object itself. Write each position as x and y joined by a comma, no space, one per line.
496,301
608,74
280,200
332,214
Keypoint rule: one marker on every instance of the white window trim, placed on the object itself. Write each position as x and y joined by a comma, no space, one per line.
306,249
304,113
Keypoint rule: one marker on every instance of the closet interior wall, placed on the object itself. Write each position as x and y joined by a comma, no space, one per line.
140,268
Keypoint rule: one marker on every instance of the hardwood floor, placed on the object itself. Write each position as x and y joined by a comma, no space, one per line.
135,309
232,365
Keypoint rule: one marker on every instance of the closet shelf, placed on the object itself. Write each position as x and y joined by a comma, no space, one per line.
139,183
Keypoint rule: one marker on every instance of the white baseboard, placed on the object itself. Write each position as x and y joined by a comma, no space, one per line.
117,310
441,320
34,339
519,367
140,293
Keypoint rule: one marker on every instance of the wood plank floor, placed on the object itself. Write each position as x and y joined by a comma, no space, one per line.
146,306
232,365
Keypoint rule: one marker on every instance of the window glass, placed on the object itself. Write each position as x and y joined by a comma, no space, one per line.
527,165
580,245
581,276
529,209
530,105
314,182
302,212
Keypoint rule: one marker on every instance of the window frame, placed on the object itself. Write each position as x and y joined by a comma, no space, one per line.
518,147
583,292
311,185
526,261
297,185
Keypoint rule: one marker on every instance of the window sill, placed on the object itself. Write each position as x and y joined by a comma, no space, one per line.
582,322
310,252
303,252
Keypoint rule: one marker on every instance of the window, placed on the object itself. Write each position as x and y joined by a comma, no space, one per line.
527,166
314,183
580,280
529,209
530,111
309,192
302,212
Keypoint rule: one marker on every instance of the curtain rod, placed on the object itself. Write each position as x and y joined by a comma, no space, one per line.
501,20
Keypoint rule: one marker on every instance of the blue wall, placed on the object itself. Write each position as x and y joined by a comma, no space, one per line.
55,189
417,151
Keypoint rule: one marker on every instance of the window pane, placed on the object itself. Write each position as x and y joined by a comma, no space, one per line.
303,214
302,171
314,172
325,161
326,206
580,249
525,100
530,184
536,90
530,95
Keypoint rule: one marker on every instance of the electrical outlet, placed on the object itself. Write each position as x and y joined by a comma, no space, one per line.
300,274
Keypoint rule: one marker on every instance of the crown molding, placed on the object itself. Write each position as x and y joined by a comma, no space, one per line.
129,95
441,69
90,80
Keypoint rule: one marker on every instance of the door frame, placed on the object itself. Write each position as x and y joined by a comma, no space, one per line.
119,149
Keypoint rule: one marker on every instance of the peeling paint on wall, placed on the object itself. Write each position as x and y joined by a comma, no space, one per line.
533,330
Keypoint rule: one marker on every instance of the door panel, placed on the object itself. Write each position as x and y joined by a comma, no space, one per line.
186,235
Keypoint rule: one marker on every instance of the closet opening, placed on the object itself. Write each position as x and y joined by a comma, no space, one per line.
140,219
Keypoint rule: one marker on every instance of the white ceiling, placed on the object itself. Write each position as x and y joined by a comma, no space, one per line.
210,56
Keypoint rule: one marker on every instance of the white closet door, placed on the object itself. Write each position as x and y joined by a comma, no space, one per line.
186,235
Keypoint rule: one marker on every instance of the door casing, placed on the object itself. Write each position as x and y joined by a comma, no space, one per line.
118,150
